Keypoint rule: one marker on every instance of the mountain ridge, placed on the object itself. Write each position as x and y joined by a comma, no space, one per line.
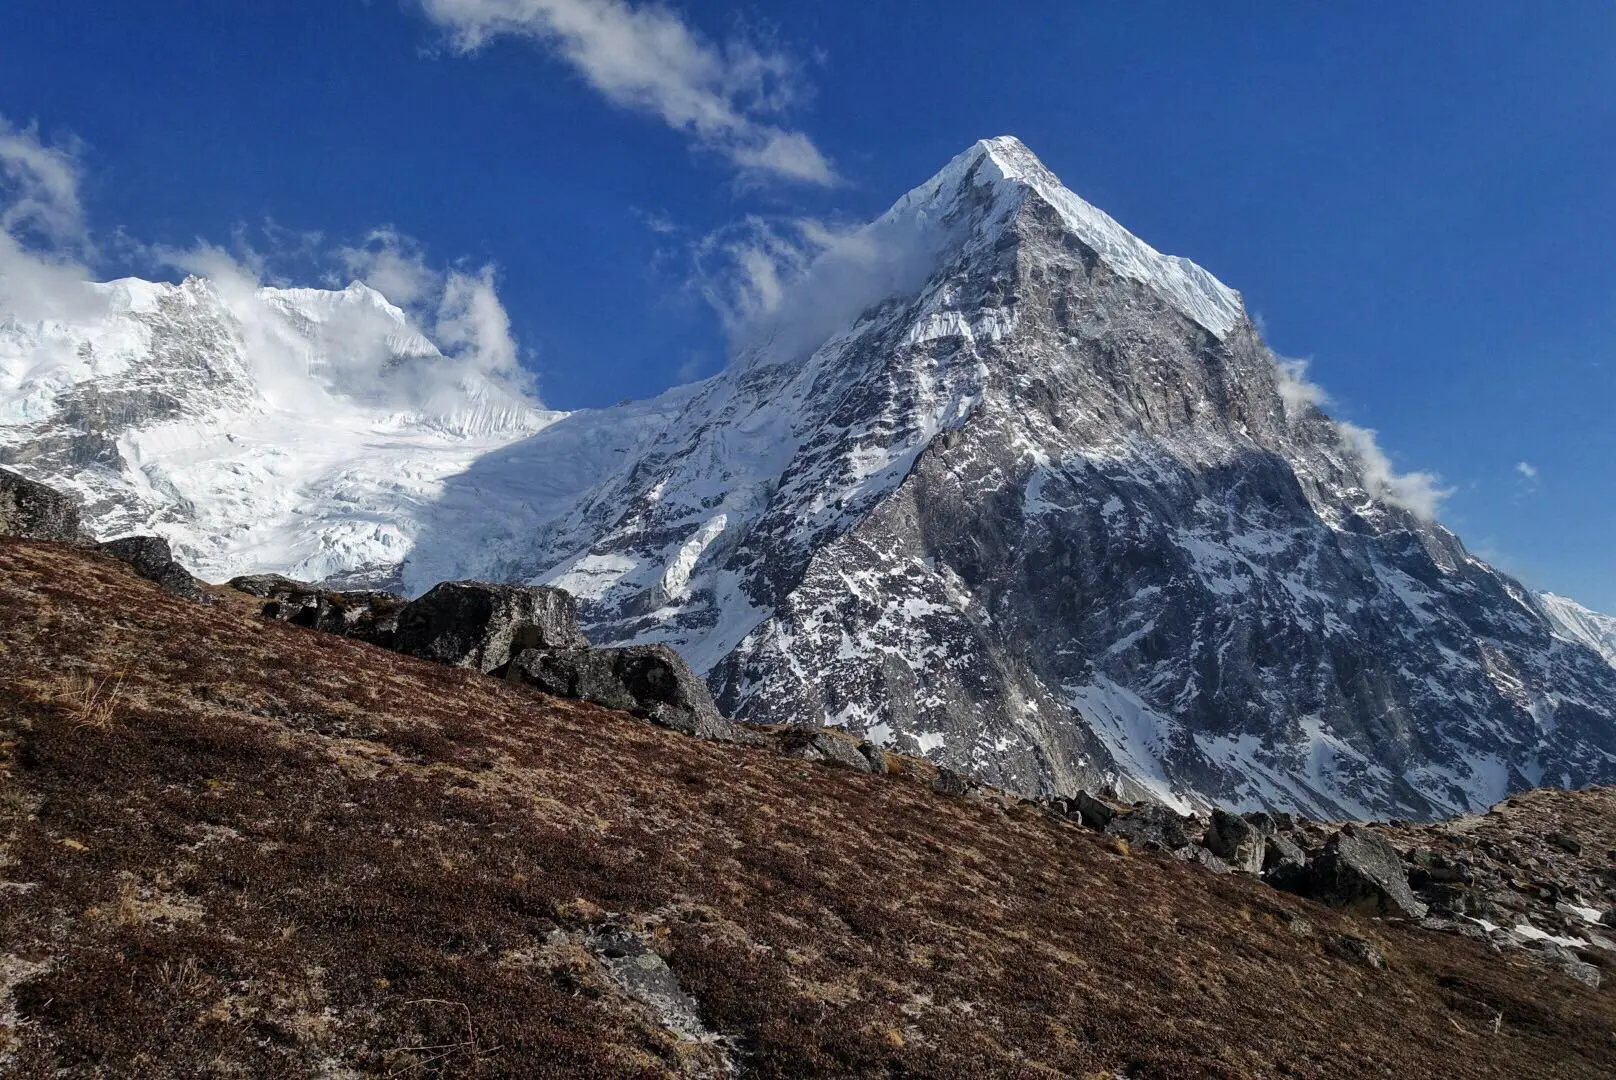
1009,488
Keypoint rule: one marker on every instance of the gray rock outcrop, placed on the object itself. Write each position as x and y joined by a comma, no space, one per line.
1237,841
36,512
650,681
1359,871
364,615
152,559
480,625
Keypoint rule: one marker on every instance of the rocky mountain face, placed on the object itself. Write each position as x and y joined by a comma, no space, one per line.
1018,493
1576,623
1054,516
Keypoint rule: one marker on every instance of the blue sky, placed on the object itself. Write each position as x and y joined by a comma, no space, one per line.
1417,198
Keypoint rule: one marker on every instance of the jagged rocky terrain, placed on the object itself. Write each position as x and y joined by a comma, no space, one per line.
233,846
1036,502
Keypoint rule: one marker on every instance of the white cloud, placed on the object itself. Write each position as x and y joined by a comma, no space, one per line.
787,285
1527,470
393,264
644,57
1420,493
43,238
1295,390
438,345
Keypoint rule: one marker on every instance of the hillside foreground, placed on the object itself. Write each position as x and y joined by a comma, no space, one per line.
234,847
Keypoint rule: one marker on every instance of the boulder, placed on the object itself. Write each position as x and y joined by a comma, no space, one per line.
271,585
35,511
1195,853
365,616
650,681
1150,826
1566,962
811,744
478,625
1093,813
1357,949
152,559
1359,871
1282,855
950,782
1237,841
640,970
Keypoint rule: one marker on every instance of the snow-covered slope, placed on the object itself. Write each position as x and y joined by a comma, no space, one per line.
1012,490
1576,623
258,429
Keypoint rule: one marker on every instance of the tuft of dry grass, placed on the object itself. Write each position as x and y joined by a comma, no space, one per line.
92,703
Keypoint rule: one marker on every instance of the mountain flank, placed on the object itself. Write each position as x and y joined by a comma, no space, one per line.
1013,491
232,846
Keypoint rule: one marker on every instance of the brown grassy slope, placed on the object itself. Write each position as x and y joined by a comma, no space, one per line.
289,854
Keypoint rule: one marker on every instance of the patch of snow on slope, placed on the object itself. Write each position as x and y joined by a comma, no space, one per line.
1137,736
1576,623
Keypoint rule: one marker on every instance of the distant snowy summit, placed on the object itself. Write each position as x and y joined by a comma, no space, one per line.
257,429
998,483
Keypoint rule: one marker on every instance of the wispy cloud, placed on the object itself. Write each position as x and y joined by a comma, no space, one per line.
646,58
1420,493
43,236
788,284
1527,470
46,247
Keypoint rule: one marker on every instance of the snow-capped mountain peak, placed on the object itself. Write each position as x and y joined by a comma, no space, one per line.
998,483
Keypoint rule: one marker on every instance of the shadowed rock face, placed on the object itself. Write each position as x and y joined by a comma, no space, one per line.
479,625
152,560
650,681
364,615
35,511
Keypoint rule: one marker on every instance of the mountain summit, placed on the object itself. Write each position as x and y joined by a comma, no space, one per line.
1002,485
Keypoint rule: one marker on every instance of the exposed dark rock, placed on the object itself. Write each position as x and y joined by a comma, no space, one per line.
1150,826
1236,841
1281,855
818,745
1195,853
950,782
1094,813
365,616
650,681
479,625
269,585
644,975
35,511
1356,948
1361,872
153,560
1564,960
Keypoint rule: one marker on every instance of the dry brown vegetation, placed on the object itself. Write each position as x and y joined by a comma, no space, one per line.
289,854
